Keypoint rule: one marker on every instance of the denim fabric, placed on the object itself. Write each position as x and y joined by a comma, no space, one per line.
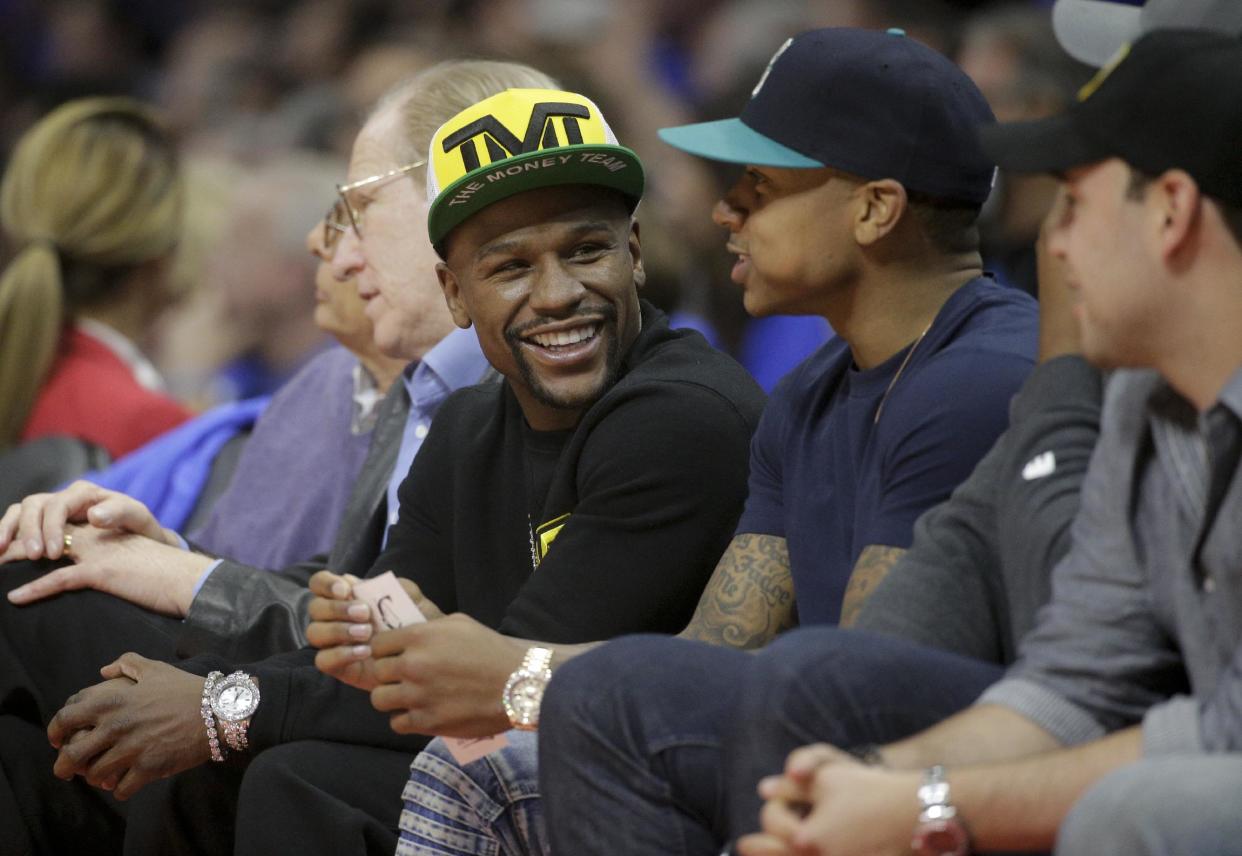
1180,805
630,742
654,745
843,687
490,806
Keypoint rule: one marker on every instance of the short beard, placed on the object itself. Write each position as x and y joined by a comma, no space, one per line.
612,364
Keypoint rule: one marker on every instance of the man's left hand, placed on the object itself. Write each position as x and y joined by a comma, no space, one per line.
444,677
141,724
828,802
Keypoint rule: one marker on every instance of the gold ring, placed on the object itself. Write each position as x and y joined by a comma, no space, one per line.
68,542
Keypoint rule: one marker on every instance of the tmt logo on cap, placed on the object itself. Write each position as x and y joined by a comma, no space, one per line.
519,140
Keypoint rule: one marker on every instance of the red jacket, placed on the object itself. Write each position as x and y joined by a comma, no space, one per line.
92,394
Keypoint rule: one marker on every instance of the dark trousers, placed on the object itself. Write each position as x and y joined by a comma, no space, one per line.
307,797
49,651
655,745
40,814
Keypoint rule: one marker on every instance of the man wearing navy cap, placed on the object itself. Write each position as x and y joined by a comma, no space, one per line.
861,184
1118,730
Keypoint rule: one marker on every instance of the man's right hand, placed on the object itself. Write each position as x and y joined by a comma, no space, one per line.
35,527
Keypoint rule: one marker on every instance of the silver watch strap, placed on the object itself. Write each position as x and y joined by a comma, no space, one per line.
934,795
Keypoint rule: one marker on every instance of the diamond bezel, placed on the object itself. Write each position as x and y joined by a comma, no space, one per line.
523,712
234,680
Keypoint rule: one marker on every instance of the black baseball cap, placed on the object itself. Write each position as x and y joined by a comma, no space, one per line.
873,103
1173,100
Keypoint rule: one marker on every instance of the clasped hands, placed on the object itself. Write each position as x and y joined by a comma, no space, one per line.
444,677
141,724
827,803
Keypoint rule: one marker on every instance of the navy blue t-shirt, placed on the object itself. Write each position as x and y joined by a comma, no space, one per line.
830,480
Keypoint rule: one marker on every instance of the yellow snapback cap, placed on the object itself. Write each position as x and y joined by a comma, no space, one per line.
519,140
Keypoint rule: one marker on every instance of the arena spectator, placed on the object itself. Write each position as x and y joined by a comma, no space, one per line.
92,201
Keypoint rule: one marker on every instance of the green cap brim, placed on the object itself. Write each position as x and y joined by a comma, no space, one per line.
579,164
731,141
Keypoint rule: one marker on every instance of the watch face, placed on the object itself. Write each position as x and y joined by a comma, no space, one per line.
940,838
235,699
525,696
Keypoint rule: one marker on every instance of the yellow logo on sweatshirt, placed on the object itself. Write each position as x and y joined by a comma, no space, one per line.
546,533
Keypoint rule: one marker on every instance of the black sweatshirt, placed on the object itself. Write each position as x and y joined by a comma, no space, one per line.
645,491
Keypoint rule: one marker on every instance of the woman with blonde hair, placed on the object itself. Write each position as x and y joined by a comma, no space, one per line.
91,203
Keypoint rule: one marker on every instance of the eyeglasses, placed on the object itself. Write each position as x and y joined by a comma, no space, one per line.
335,224
343,215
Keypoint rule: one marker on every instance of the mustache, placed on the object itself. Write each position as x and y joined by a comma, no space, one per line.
605,312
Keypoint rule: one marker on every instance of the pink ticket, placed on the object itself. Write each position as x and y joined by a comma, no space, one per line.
391,608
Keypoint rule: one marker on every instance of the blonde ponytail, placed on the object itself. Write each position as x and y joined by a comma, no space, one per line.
31,308
92,191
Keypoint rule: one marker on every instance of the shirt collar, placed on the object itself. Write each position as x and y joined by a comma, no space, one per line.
456,361
126,351
1168,404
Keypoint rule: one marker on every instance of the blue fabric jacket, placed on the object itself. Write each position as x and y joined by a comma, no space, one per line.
168,474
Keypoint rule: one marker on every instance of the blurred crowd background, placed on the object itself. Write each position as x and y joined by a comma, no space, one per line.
265,97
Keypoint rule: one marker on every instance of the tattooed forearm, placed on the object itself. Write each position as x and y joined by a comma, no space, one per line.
873,564
750,596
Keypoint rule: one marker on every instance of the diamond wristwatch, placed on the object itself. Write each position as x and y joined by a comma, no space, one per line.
524,689
940,831
228,704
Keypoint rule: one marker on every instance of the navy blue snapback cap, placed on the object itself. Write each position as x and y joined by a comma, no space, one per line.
873,103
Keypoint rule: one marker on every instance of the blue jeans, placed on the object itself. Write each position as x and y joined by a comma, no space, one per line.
654,745
489,806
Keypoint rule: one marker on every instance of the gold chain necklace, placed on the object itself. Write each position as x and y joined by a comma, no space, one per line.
901,368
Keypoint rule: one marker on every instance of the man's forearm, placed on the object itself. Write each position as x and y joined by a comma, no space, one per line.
873,565
1012,782
983,734
749,598
1020,805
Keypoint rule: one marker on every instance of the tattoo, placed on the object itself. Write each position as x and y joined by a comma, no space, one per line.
873,565
750,597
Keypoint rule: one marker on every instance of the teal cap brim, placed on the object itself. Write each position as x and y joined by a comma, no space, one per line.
731,141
